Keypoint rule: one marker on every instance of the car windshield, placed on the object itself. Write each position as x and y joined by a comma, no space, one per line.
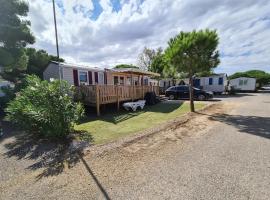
171,88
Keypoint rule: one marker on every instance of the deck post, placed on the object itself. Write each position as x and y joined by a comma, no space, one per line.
118,98
142,87
158,90
132,83
97,100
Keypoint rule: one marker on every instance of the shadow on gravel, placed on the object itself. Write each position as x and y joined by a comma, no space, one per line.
51,157
92,175
254,125
237,95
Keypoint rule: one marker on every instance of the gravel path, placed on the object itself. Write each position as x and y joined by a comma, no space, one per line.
223,153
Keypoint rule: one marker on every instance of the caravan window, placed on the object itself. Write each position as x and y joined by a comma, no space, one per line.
115,80
100,78
220,81
210,81
128,80
245,82
121,80
83,78
241,82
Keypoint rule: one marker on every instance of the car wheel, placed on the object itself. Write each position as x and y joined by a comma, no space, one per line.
171,97
201,97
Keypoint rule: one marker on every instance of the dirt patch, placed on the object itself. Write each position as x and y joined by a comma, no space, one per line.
192,125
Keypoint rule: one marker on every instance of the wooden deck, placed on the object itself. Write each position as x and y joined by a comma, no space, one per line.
104,94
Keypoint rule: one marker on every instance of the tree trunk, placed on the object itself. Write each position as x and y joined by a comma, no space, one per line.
191,94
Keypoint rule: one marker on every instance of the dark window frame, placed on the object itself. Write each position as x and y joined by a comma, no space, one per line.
210,81
220,81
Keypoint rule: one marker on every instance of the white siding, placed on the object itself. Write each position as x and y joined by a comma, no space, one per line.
52,71
249,84
215,87
68,75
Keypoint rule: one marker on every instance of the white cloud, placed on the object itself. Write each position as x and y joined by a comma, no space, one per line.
118,37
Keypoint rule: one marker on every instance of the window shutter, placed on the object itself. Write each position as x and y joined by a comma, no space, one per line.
105,78
220,81
90,78
96,77
75,77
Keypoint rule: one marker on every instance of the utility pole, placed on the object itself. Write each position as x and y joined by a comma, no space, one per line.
55,28
56,40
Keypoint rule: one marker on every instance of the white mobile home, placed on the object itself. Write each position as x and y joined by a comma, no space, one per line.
164,84
216,83
96,87
74,74
243,84
4,84
83,75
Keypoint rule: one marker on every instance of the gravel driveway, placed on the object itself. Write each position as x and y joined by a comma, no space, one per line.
223,153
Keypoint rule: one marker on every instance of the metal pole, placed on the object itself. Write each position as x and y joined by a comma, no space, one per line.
55,28
56,40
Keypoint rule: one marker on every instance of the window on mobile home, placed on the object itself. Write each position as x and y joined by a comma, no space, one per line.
121,80
115,80
241,82
220,81
128,80
210,81
83,78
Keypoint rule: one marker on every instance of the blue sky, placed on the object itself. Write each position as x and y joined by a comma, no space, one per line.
104,33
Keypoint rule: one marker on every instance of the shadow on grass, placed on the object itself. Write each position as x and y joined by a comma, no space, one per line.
112,116
255,125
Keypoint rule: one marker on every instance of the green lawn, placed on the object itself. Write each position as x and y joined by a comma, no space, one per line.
119,124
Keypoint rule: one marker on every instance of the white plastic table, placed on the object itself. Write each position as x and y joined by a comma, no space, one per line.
134,105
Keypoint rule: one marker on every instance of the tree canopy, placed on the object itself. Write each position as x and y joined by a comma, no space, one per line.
193,52
15,34
125,66
38,61
262,77
159,63
146,58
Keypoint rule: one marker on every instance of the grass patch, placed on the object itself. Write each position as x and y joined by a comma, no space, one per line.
119,124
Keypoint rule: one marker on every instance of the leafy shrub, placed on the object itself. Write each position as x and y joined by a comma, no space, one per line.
46,108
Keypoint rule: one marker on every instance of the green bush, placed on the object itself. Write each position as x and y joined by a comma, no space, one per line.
45,108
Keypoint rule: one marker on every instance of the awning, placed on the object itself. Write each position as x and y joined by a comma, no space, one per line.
133,71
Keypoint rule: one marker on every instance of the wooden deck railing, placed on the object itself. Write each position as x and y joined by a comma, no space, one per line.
104,94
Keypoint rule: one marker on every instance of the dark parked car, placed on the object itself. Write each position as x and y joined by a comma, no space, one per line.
182,92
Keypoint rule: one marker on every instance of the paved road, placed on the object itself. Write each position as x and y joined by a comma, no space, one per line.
221,155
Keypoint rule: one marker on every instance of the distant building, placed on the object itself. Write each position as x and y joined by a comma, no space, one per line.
4,84
216,83
243,84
